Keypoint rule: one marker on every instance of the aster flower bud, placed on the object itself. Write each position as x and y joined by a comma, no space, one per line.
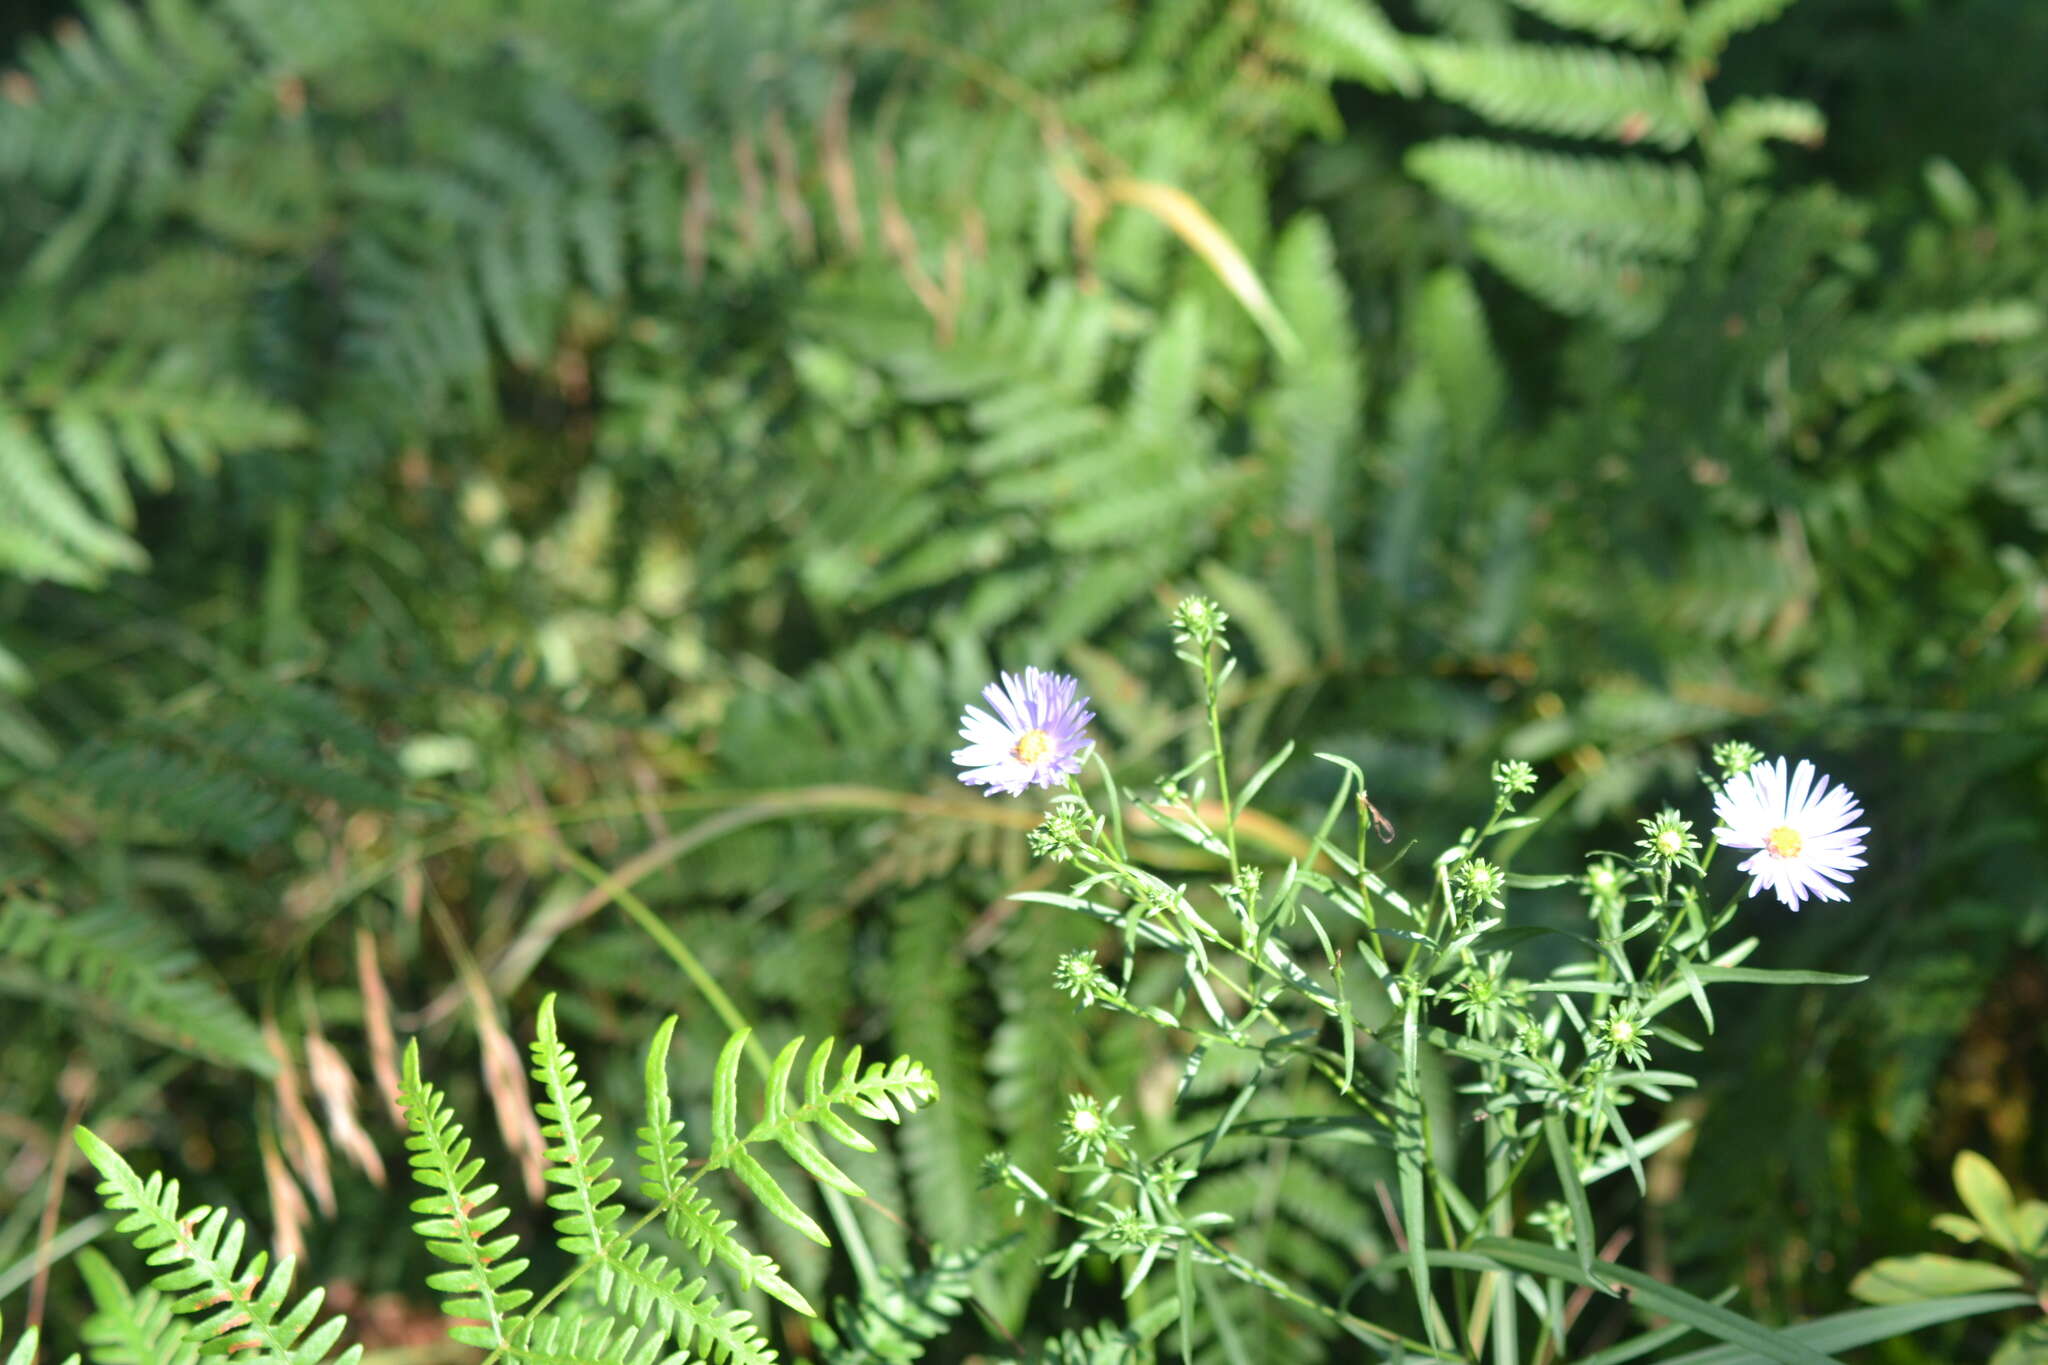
1512,778
1668,839
1480,881
1734,757
1199,621
1087,1132
1079,976
1621,1034
1062,834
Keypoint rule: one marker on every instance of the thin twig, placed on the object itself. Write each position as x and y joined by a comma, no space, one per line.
78,1079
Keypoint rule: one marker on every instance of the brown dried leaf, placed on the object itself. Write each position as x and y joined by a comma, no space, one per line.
505,1078
837,157
377,1027
303,1144
288,1212
335,1084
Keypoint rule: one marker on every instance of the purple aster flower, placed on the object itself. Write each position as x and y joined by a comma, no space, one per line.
1801,829
1037,736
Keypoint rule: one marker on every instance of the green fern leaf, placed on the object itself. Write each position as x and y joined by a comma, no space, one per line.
243,1311
1620,203
74,545
1629,294
1573,91
631,1280
137,971
456,1222
1457,350
1363,43
687,1212
1644,23
885,1093
1746,124
127,1328
643,1287
895,1321
567,1123
1712,24
593,1341
1316,403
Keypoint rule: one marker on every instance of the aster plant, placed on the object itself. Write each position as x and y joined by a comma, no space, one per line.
1319,996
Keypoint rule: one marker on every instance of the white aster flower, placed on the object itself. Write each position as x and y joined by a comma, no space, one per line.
1037,736
1800,828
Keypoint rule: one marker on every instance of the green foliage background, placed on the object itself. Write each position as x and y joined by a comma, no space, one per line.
451,453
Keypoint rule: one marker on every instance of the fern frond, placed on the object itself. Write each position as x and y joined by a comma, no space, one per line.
110,101
127,1328
884,1092
74,431
585,1200
1877,529
1102,1343
905,1312
1621,203
1629,294
631,1280
241,770
1980,324
456,1222
243,1310
643,1287
1458,351
687,1212
1364,44
593,1341
1573,91
1316,404
137,971
1735,587
1712,24
60,538
1643,23
1753,121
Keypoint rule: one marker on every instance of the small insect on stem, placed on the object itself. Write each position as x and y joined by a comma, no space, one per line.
1381,825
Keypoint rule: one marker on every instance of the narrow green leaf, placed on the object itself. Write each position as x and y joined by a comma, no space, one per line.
1489,1253
1770,976
1862,1326
1264,775
1574,1191
1654,1141
1409,1157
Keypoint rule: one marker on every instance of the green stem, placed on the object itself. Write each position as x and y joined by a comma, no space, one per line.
1222,762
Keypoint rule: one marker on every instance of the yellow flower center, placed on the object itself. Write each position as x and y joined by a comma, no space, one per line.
1785,842
1032,746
